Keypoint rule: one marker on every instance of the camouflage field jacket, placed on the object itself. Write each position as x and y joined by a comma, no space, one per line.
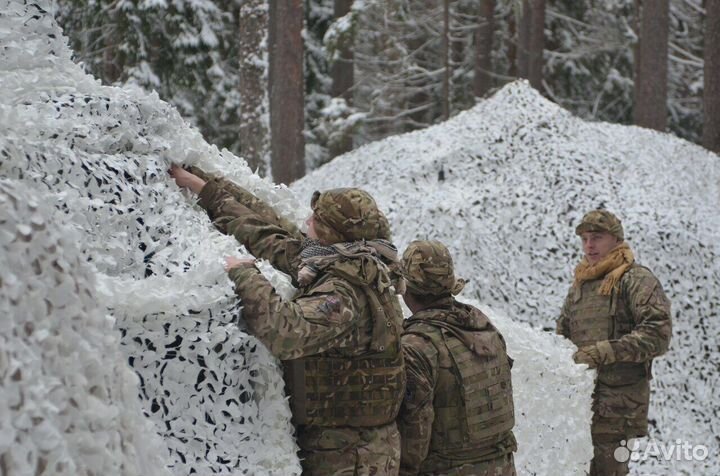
328,325
635,320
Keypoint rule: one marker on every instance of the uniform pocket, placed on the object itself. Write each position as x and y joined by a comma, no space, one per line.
622,374
628,401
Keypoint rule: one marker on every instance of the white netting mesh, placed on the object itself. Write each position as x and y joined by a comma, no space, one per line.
518,172
94,161
68,402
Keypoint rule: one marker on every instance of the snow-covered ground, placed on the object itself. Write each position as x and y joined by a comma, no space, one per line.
105,262
505,184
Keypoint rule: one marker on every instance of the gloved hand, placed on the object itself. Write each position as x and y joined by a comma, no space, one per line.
595,355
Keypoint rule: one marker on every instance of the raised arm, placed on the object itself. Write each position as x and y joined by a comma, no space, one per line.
236,211
259,229
293,329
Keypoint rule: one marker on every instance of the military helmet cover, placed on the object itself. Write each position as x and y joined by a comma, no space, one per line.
601,220
348,214
428,269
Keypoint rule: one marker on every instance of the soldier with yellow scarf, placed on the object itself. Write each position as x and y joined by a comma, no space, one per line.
619,317
339,336
458,414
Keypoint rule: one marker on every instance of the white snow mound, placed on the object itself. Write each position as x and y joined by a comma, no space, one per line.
504,184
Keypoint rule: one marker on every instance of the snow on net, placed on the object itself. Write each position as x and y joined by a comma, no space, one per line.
94,233
505,183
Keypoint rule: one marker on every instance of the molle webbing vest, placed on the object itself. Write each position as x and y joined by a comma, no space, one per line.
473,394
594,317
329,389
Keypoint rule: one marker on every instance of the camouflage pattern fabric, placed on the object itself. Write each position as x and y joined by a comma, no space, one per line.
350,451
444,430
331,316
348,214
630,328
428,269
503,466
601,220
237,212
604,462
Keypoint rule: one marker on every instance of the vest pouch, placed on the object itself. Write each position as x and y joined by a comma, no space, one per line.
622,373
335,391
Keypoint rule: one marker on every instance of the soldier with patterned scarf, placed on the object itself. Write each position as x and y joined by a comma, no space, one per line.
619,317
457,415
339,336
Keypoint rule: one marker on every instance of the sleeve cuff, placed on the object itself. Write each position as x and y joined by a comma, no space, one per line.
242,273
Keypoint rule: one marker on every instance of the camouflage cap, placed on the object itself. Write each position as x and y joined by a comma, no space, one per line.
348,214
428,269
601,220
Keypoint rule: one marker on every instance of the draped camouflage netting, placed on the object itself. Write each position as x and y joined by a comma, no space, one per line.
108,268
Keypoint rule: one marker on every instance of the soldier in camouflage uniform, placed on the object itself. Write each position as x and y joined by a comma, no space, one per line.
617,314
457,415
339,337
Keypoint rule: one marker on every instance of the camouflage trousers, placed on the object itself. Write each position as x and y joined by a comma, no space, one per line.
346,451
503,466
606,455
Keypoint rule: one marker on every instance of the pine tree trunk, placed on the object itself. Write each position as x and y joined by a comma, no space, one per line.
483,81
342,74
254,129
652,71
536,43
286,90
512,46
446,61
711,97
523,40
341,70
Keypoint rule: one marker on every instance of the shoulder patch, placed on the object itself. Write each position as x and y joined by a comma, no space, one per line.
331,306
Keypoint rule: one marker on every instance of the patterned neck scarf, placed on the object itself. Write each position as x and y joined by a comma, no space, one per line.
612,267
315,257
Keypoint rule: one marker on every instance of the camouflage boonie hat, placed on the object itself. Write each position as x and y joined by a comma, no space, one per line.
348,214
601,220
428,269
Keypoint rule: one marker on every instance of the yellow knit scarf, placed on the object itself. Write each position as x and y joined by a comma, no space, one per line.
613,266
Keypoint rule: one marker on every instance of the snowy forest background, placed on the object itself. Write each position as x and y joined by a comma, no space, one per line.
344,73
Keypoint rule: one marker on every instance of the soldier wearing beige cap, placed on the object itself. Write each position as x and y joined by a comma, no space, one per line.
619,317
339,336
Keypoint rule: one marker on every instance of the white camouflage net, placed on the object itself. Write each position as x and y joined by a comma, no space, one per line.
518,172
86,196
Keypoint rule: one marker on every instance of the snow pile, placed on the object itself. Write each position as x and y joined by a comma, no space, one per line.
93,233
505,183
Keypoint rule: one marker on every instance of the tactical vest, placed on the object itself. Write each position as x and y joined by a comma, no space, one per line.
593,317
331,389
473,403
